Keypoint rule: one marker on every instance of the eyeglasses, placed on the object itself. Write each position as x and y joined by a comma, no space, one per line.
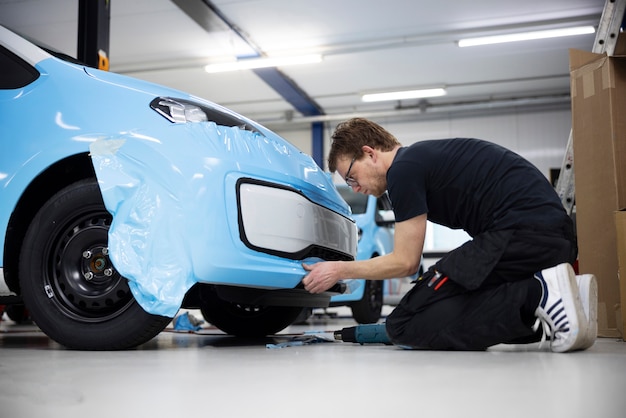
349,180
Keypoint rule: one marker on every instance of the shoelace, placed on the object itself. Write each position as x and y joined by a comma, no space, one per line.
540,322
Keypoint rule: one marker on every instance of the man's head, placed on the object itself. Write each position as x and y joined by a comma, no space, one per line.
365,143
350,137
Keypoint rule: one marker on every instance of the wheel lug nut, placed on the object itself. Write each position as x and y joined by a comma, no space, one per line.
88,275
105,251
108,272
87,254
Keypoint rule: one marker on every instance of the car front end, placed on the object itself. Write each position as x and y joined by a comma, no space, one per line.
221,204
122,200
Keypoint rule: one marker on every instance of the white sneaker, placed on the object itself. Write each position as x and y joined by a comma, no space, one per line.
560,311
588,289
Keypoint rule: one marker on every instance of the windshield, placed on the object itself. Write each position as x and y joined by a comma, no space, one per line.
357,201
50,50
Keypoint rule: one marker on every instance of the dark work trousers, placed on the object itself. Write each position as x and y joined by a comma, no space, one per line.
489,296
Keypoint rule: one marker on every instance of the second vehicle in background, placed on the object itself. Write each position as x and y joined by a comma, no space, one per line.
375,221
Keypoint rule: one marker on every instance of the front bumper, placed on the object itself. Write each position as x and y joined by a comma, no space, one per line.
217,205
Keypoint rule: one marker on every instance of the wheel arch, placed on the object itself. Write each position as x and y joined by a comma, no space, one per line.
42,188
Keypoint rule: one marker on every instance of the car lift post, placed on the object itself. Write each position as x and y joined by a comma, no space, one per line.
93,33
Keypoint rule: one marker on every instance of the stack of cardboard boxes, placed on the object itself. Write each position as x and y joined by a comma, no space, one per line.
598,90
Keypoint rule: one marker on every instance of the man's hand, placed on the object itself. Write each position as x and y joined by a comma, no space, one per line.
322,276
404,260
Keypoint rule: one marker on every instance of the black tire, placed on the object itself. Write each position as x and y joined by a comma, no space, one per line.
303,316
245,320
69,285
368,309
17,313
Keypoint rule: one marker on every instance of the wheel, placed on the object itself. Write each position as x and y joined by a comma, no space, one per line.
303,316
17,313
69,285
368,309
245,320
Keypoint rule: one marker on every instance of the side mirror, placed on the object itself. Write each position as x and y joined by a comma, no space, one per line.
385,217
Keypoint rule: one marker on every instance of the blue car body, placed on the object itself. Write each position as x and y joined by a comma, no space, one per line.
198,193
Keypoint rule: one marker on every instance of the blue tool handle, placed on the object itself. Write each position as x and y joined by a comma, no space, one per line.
371,334
364,334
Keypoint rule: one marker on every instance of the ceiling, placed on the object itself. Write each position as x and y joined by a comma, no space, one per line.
367,46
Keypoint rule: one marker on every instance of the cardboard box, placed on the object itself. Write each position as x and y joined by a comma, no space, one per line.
620,226
598,90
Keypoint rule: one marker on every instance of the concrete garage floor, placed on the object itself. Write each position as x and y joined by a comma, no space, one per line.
209,374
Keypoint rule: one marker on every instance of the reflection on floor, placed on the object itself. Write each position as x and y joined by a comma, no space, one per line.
181,374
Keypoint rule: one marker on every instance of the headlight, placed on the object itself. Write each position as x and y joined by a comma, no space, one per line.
178,111
186,111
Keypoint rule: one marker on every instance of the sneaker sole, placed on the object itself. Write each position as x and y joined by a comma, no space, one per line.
588,288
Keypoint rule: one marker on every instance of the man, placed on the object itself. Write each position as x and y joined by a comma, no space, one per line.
513,276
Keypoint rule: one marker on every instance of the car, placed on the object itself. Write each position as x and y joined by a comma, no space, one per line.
122,201
375,219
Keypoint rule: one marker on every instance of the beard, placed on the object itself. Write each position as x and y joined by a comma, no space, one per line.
378,187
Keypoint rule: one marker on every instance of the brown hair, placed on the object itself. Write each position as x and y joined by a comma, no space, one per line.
350,137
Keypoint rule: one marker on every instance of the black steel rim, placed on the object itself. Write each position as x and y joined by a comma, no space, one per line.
81,279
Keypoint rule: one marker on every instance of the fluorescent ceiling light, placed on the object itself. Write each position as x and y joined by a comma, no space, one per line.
265,62
527,36
402,95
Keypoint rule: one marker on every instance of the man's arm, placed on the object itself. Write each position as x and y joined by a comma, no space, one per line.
404,260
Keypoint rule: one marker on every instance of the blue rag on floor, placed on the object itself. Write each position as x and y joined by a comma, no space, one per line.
303,340
183,323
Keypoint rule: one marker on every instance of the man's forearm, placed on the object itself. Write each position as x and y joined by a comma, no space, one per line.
378,268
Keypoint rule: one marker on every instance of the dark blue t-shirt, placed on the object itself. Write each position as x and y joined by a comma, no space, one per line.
473,185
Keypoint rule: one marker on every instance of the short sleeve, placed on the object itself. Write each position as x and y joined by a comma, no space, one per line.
406,184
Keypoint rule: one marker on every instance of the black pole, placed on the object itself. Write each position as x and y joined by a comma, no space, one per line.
93,32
